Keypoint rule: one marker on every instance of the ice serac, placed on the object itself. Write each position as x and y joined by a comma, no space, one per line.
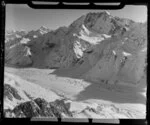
106,47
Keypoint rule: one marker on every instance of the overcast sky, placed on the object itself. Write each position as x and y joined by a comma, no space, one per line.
22,17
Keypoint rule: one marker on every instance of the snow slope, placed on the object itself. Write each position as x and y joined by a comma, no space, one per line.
26,90
49,87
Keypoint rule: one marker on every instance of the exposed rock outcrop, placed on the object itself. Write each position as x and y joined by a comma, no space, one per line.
39,108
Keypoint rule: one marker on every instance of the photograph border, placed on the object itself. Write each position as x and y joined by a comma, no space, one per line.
62,6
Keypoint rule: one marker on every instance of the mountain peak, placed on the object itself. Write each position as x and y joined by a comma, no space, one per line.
43,28
99,13
107,12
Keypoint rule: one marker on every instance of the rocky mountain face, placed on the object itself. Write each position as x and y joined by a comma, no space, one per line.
39,108
113,49
20,101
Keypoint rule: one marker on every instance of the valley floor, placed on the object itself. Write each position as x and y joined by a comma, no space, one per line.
131,101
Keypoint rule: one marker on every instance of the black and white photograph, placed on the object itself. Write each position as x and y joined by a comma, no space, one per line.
75,63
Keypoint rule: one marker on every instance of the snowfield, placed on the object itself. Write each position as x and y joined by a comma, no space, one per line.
24,40
93,40
86,99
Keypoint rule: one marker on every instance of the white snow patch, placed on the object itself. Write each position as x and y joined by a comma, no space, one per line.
18,36
114,52
25,40
74,34
106,36
77,106
78,49
127,29
43,32
10,104
86,30
126,54
144,49
13,46
92,40
107,12
28,51
34,36
84,34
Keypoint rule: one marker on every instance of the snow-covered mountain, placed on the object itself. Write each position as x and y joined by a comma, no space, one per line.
100,40
96,47
11,35
17,51
37,33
